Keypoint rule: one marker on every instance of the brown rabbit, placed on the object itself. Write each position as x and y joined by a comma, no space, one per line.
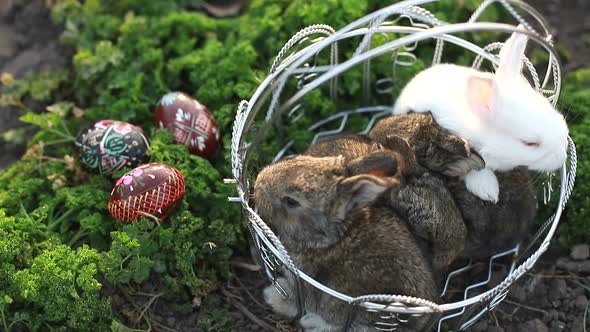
491,227
338,234
423,200
434,147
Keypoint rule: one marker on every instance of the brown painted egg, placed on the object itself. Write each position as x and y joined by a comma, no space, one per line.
151,190
111,145
191,123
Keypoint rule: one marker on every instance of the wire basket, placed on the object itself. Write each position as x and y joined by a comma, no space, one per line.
305,90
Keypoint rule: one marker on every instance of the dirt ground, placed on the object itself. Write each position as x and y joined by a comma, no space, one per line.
570,20
28,43
552,297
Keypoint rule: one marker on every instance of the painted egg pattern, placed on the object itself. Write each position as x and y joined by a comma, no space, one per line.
111,145
151,190
191,123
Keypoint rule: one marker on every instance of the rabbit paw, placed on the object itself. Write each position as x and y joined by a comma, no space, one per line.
463,166
281,305
483,184
444,257
315,323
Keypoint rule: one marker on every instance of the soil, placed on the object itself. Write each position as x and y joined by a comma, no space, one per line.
552,297
239,300
29,42
570,20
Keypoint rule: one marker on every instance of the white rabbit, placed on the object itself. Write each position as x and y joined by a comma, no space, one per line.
500,115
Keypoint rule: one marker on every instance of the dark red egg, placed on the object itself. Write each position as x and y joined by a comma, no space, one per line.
111,145
151,190
191,123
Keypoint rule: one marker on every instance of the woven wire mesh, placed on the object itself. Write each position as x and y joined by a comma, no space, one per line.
281,103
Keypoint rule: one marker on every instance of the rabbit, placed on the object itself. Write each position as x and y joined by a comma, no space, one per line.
363,155
430,145
491,227
423,200
338,233
494,228
501,116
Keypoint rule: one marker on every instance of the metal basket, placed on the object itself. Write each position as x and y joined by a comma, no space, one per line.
305,64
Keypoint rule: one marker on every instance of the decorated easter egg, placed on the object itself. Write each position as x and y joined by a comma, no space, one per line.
191,123
111,145
151,190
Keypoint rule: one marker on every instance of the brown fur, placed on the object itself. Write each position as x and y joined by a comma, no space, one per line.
491,227
434,147
423,200
360,153
339,237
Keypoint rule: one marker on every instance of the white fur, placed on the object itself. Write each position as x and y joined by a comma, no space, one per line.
516,113
314,323
483,184
281,305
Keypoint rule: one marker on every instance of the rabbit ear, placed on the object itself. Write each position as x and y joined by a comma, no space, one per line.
512,52
380,163
360,190
407,164
480,96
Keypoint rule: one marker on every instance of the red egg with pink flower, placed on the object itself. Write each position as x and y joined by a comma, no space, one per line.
151,190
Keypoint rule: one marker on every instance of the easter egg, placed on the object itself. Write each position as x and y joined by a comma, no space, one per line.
191,123
110,145
151,190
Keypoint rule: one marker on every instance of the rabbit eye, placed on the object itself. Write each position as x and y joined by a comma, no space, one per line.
530,144
290,202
